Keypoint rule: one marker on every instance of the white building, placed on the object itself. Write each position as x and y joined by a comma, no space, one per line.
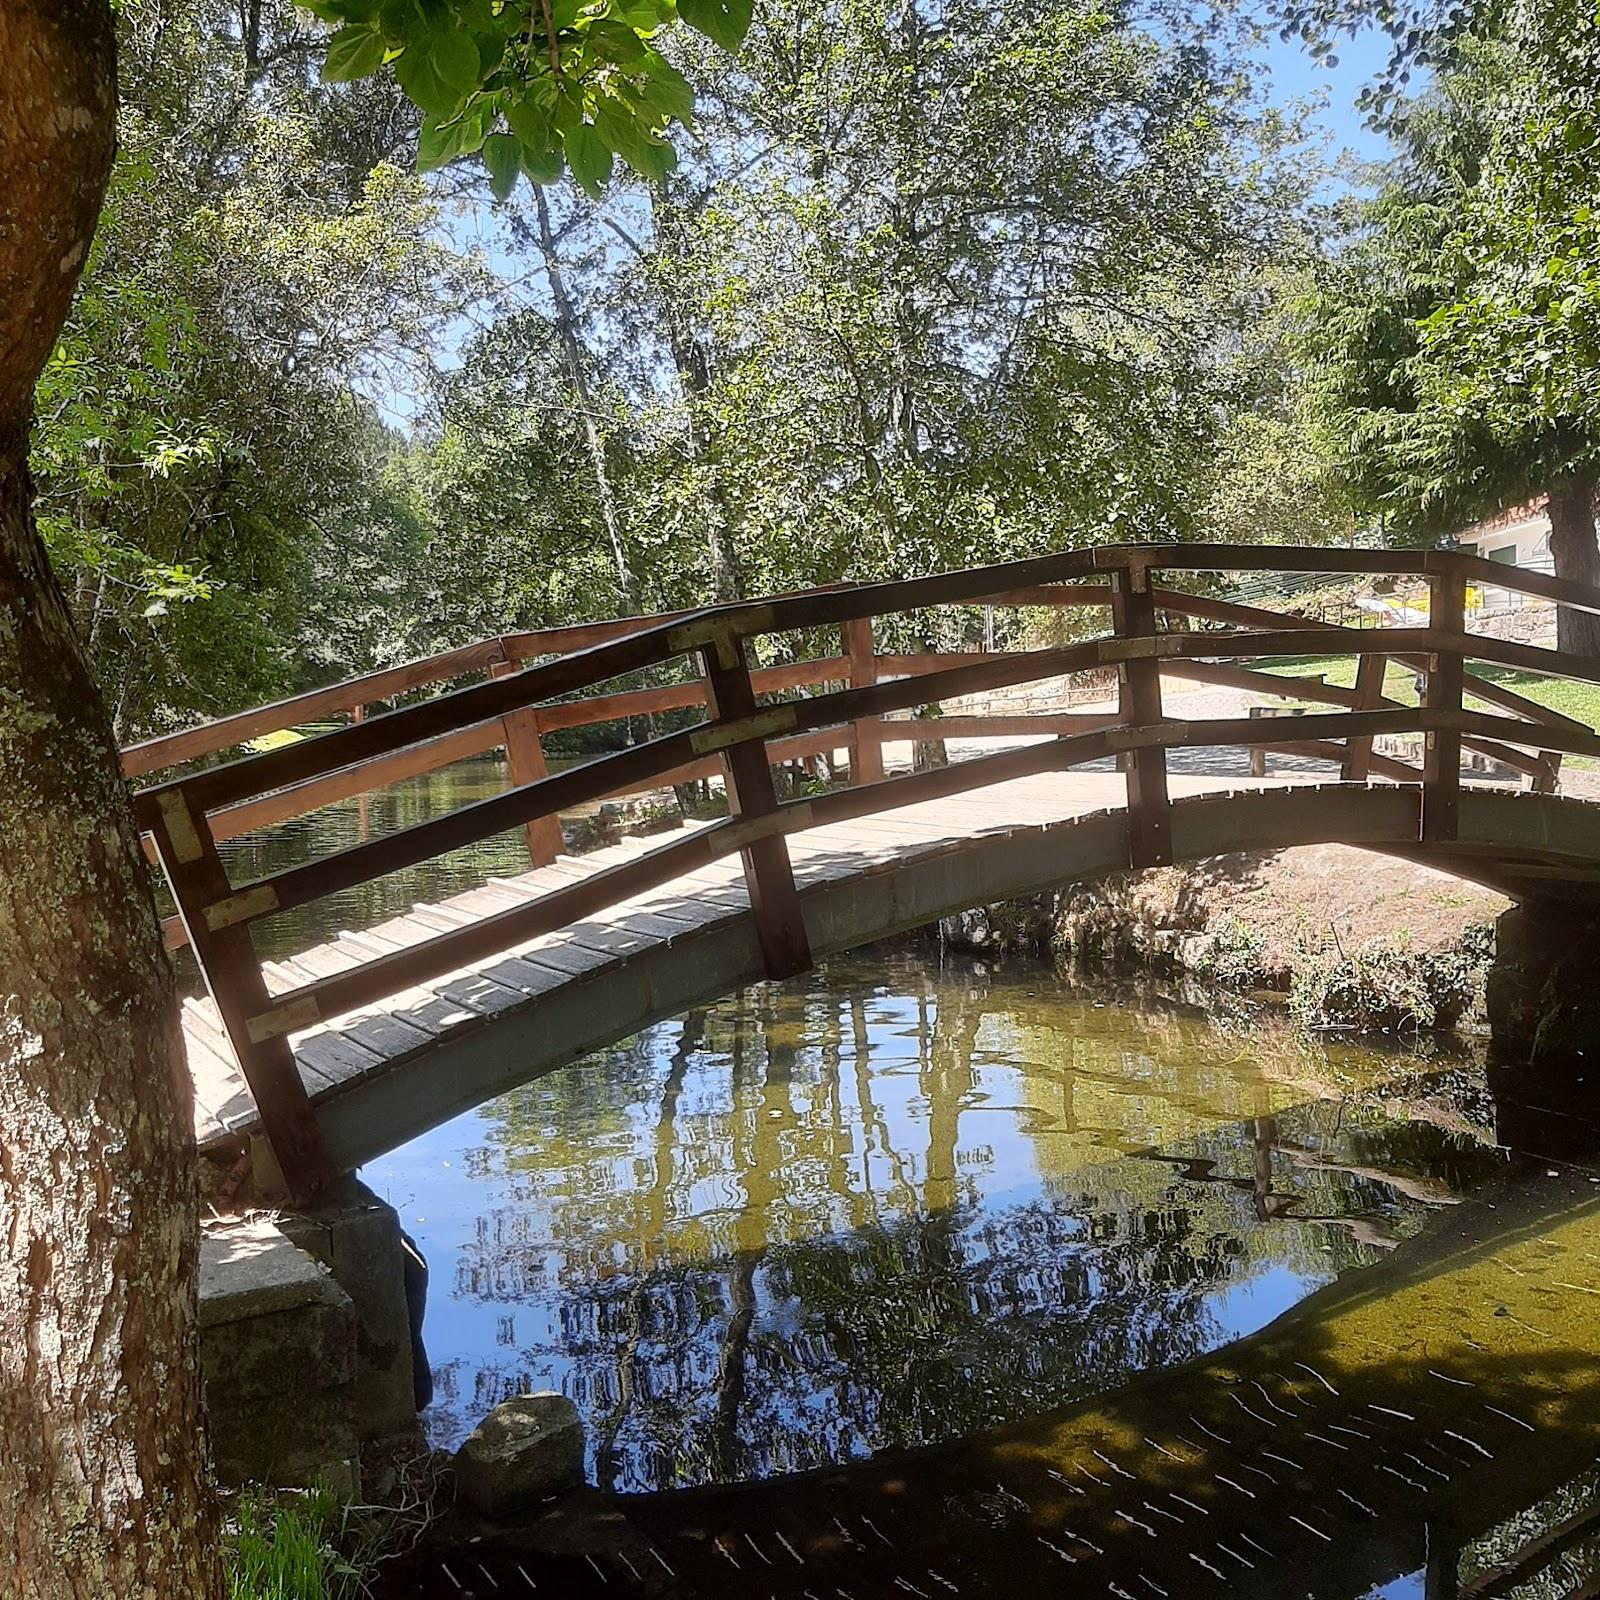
1519,537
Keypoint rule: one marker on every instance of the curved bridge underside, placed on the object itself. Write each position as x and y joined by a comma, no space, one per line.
381,1077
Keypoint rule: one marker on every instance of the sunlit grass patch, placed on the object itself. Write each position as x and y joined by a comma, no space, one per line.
300,1547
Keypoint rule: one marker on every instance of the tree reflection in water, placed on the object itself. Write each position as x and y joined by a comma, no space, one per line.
887,1205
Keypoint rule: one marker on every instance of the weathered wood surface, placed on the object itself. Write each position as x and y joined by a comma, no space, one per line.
386,1073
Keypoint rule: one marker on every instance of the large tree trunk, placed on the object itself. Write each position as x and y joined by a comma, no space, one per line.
1576,555
103,1487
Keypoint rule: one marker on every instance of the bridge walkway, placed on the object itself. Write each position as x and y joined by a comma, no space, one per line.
350,1056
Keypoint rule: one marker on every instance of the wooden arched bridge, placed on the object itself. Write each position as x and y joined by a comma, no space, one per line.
350,1048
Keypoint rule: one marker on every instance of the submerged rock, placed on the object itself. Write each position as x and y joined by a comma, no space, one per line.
526,1450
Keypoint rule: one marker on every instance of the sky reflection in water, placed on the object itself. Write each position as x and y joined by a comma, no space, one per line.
887,1205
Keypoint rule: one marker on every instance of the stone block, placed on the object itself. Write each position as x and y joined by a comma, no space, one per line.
277,1354
358,1240
251,1268
526,1450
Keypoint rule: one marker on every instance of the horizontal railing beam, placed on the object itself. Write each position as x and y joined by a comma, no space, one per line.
1253,617
311,758
1335,694
226,733
1037,581
403,969
1048,724
394,730
423,841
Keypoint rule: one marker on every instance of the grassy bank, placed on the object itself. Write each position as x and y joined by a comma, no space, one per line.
306,1546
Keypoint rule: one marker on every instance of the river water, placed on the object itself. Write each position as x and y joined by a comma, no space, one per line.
948,1277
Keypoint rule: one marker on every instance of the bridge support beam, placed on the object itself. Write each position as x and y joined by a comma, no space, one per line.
526,764
768,874
1441,774
233,977
866,734
1133,614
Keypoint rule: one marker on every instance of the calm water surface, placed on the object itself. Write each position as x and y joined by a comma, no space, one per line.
895,1203
351,822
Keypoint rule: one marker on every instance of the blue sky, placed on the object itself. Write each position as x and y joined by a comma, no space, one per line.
1295,76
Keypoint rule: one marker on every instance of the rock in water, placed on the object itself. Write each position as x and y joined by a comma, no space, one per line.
526,1450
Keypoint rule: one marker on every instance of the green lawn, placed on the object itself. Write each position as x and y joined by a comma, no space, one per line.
1580,701
1339,671
1566,695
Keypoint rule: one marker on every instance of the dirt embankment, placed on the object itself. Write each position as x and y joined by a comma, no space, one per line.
1354,939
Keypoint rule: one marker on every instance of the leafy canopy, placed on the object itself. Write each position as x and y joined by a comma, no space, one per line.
1453,352
535,87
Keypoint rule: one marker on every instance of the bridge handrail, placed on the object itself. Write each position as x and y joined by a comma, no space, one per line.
646,762
188,814
168,750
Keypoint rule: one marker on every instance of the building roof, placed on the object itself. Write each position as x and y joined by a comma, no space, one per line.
1515,516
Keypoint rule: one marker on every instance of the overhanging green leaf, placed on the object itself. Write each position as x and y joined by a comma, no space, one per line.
455,57
502,155
588,157
667,89
726,21
353,52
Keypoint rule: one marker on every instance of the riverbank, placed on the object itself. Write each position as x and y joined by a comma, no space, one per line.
1351,939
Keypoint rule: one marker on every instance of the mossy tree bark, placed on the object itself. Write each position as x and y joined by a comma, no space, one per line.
103,1486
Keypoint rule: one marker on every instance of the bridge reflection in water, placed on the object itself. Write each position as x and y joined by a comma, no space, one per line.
895,1207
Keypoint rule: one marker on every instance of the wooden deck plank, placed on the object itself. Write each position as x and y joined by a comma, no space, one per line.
337,1054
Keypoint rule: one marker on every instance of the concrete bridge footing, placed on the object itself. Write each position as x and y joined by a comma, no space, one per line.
1543,994
308,1345
1543,1005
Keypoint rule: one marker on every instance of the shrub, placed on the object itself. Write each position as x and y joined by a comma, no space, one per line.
1231,954
1388,986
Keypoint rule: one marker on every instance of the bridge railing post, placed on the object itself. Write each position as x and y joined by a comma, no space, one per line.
1441,767
232,972
1370,671
526,764
866,734
1133,616
768,874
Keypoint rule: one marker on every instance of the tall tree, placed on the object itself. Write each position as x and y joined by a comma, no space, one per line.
104,1485
574,357
103,1488
1452,351
950,283
263,272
